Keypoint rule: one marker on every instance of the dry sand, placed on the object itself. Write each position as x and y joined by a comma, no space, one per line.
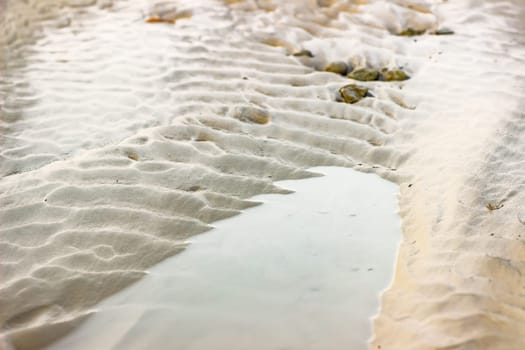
121,138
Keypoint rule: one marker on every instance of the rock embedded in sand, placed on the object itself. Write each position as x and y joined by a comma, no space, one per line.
303,53
252,115
364,74
338,67
411,32
443,31
352,93
325,3
132,155
274,42
393,75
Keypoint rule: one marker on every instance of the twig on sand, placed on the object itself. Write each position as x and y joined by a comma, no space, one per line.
492,207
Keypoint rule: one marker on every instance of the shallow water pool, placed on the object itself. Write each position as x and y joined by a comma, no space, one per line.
302,271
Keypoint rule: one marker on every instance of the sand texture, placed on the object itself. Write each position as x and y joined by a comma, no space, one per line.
128,127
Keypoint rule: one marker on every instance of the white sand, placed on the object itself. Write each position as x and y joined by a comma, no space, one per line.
121,138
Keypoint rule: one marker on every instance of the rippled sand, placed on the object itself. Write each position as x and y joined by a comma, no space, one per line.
128,127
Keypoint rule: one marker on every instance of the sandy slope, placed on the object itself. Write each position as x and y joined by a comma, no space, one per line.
120,138
459,281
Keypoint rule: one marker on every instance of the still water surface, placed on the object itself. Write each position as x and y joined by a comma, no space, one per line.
303,271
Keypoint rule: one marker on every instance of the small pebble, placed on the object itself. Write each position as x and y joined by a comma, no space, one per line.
411,32
352,93
443,31
338,67
364,74
303,53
